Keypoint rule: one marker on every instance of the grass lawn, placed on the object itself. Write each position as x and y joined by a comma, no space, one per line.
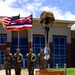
69,71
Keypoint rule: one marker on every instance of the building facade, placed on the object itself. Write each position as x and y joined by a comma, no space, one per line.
61,42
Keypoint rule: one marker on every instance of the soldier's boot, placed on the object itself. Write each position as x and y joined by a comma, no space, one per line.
6,72
32,72
18,73
9,72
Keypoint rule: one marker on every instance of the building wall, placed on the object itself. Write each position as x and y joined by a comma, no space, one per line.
62,31
8,36
38,30
22,33
3,31
58,31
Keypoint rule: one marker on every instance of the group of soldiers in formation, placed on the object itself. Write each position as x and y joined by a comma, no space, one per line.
18,57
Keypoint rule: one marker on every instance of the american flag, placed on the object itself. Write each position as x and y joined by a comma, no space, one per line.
7,20
18,24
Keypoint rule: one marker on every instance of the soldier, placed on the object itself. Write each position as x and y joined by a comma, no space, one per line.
41,60
31,59
8,61
18,57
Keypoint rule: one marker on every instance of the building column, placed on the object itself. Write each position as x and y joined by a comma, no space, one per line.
68,55
30,39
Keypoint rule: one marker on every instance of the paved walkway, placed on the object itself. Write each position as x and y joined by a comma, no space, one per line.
23,72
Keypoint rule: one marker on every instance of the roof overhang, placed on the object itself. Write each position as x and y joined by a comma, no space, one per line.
64,23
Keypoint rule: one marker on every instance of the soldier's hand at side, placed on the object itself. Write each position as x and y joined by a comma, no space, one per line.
19,61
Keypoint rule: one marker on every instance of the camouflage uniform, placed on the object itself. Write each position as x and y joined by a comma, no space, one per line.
30,63
18,63
8,63
41,61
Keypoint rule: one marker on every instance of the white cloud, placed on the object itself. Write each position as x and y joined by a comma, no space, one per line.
59,14
9,2
6,10
32,7
25,9
69,16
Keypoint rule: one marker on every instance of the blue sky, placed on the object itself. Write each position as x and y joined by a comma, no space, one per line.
62,9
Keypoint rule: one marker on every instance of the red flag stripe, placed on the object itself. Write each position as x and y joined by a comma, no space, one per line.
6,20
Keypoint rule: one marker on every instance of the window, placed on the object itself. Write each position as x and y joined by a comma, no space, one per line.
59,51
23,45
38,42
2,39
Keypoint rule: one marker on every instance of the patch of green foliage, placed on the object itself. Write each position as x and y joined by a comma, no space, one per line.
69,71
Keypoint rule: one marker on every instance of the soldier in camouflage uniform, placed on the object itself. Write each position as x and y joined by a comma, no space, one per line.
31,59
41,60
8,62
18,57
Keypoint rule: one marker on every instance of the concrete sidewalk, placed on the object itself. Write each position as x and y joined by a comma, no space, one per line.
23,72
2,72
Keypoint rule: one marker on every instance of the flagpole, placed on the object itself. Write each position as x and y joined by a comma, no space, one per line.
18,32
31,38
32,34
18,38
